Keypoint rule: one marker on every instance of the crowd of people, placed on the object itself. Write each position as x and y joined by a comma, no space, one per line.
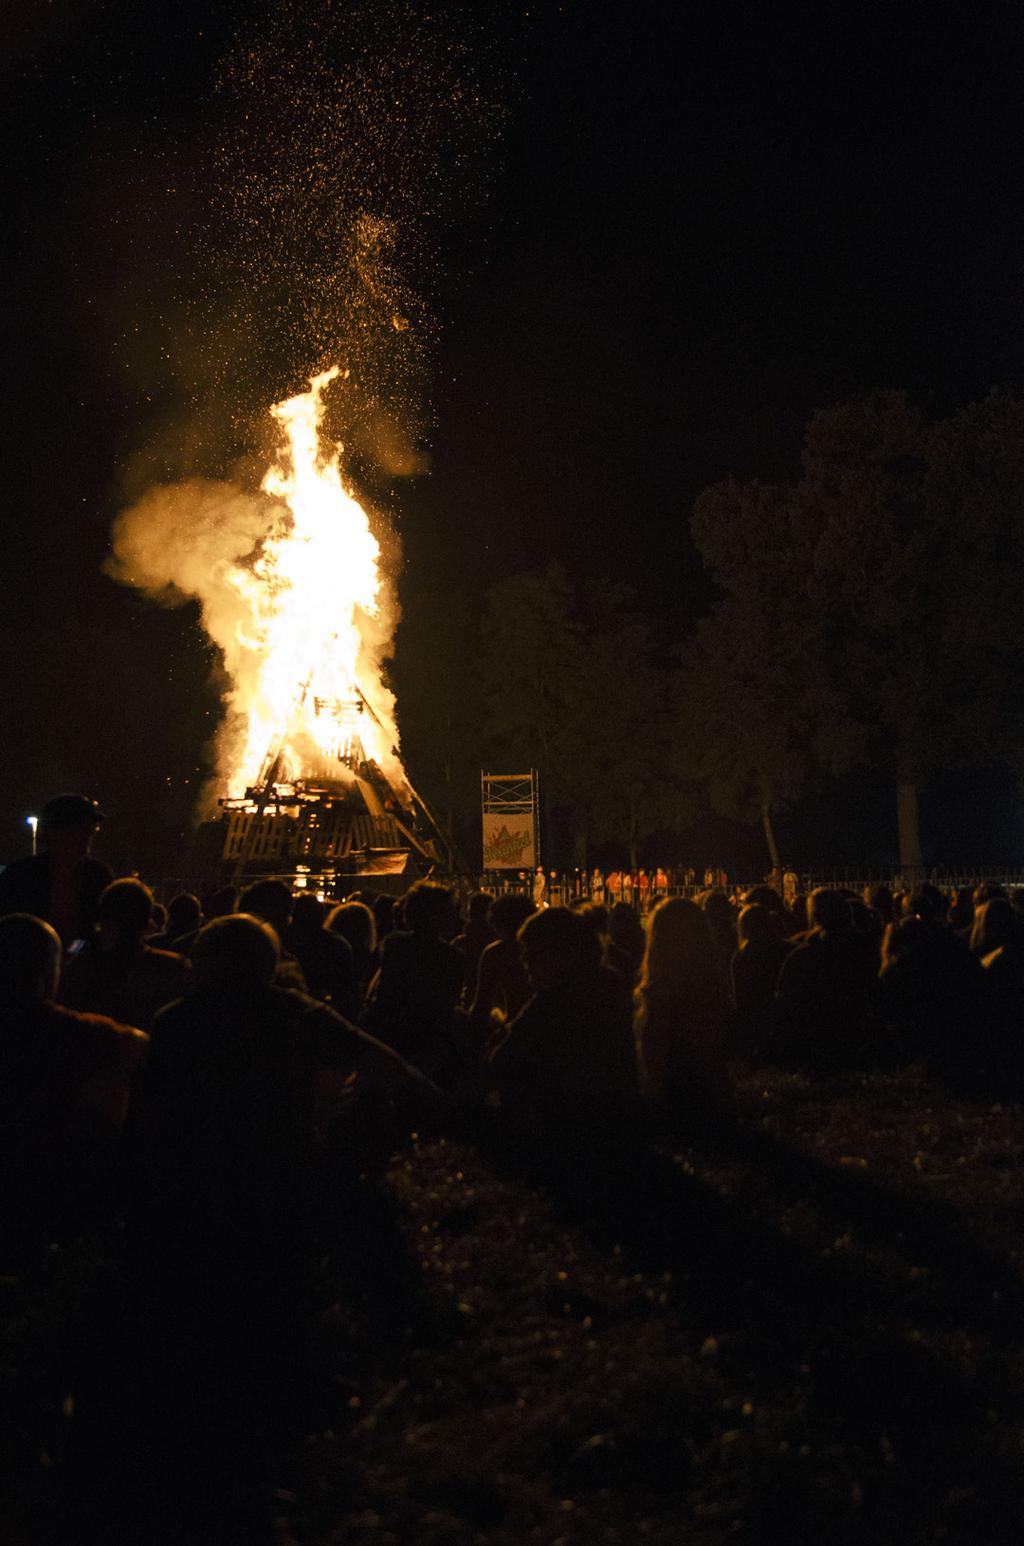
641,887
247,1022
208,1082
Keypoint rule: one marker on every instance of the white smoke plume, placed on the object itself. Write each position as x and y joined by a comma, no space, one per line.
186,542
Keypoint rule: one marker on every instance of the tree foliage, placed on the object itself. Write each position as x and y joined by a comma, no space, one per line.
866,615
867,610
571,688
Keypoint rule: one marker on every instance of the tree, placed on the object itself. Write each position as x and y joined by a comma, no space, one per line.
532,663
625,777
881,588
733,734
571,688
751,694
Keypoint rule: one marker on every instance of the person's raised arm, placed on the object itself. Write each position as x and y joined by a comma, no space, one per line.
106,1091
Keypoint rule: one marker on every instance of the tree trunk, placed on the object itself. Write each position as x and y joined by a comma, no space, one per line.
449,806
580,840
911,862
769,835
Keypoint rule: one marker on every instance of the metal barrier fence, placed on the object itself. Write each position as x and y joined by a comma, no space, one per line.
946,880
564,889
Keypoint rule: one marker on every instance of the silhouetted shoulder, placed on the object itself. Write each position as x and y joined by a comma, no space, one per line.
25,886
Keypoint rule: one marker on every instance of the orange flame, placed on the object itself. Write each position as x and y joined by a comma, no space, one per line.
317,574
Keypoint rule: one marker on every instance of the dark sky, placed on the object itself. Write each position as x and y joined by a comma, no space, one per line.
701,223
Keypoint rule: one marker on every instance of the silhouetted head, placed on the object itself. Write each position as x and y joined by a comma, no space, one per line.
184,914
880,901
988,891
125,909
995,924
270,900
908,937
756,923
479,906
680,945
510,912
719,911
308,913
235,954
863,919
384,909
626,930
767,897
429,909
67,825
595,916
557,947
220,903
29,957
925,901
355,922
70,812
829,911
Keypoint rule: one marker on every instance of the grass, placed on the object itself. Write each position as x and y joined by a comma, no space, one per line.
812,1331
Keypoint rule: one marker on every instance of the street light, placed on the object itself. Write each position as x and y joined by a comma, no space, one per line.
33,822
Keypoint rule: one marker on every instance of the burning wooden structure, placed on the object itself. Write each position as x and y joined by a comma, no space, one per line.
343,824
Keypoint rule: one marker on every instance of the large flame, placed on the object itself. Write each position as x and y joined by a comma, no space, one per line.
316,576
292,593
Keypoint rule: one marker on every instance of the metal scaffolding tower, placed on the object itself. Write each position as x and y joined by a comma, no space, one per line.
510,804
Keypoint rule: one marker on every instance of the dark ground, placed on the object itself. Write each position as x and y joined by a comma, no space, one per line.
815,1334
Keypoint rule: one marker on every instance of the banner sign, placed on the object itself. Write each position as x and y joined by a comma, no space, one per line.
508,841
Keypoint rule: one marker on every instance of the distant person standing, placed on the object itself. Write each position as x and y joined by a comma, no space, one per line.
63,884
540,888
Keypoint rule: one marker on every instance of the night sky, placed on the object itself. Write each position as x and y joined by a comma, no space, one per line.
687,227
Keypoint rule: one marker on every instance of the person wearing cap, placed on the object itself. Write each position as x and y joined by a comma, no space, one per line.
62,884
